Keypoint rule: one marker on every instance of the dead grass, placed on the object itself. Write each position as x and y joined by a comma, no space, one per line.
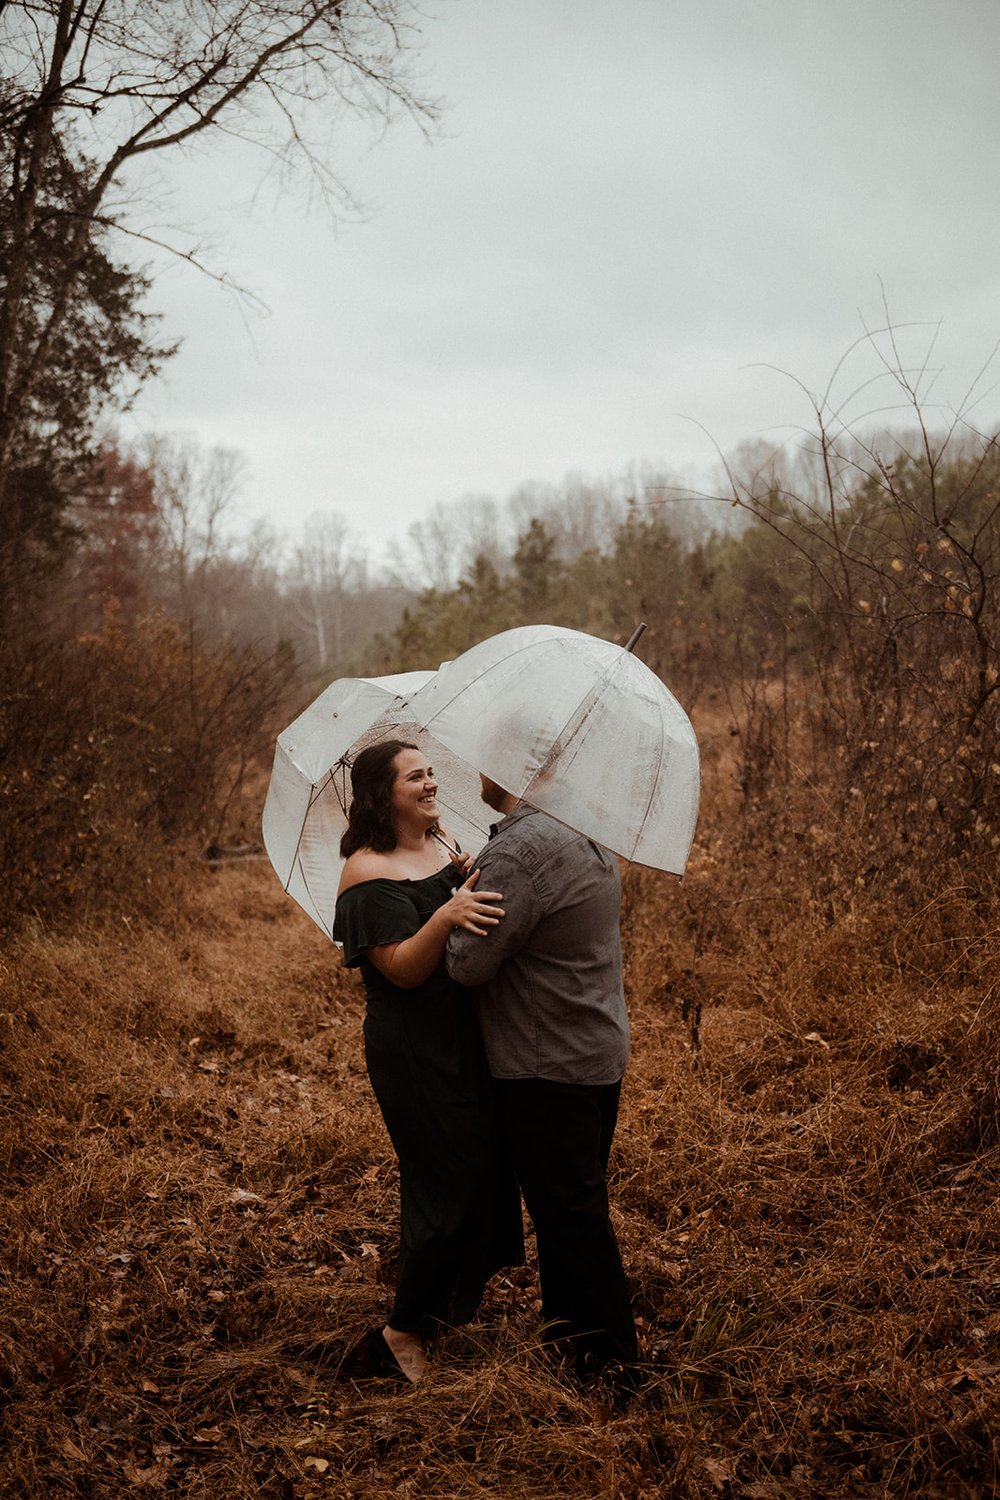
201,1204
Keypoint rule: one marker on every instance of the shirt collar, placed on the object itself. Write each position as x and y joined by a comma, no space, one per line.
520,811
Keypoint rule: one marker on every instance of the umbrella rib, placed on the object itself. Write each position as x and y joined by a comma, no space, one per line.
652,793
574,722
314,792
305,882
314,796
577,717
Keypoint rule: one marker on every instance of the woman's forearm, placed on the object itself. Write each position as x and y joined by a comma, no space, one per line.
410,962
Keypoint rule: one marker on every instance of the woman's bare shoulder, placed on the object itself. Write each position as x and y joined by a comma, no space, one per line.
364,864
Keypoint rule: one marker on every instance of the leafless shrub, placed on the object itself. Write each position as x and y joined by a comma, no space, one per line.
115,746
866,698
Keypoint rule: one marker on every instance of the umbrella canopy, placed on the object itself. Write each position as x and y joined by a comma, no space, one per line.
578,727
572,724
306,808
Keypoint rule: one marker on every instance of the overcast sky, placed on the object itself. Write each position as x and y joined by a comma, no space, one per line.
628,211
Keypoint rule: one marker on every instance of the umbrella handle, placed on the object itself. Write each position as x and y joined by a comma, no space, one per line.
637,632
435,834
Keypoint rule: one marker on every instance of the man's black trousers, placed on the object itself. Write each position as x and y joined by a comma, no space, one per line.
559,1137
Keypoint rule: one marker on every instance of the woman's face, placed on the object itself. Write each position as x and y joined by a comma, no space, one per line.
414,791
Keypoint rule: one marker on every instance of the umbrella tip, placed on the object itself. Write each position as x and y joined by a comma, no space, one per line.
637,632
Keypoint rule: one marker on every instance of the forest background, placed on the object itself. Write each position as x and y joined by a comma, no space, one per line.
196,1229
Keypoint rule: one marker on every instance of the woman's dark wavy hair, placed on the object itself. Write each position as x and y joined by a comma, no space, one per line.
369,821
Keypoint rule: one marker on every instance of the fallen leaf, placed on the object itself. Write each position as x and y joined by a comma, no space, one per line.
150,1387
719,1471
72,1450
319,1464
153,1477
971,1373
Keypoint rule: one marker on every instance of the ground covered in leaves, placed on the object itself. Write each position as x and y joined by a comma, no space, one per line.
200,1218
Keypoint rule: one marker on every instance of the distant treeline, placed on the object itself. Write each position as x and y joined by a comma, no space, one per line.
840,602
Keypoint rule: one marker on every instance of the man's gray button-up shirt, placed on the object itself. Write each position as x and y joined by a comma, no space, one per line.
549,977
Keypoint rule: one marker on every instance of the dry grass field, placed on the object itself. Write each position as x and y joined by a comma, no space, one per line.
200,1213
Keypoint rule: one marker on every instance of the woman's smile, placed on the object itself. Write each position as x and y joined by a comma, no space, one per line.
414,792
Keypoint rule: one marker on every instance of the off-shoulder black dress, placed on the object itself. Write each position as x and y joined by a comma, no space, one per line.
460,1208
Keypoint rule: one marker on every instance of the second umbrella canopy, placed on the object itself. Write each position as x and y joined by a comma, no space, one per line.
578,727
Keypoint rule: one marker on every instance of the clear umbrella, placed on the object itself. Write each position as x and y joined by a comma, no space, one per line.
578,727
306,808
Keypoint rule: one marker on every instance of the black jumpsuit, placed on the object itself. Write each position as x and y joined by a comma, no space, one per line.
460,1208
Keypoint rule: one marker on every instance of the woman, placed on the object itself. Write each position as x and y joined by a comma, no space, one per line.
400,896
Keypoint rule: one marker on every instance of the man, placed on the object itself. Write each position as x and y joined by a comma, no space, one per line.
554,1023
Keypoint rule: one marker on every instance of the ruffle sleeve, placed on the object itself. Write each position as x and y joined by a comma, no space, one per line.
372,913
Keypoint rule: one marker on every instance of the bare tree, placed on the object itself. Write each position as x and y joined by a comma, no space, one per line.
581,514
532,500
196,491
443,547
434,557
587,515
484,533
96,87
325,568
